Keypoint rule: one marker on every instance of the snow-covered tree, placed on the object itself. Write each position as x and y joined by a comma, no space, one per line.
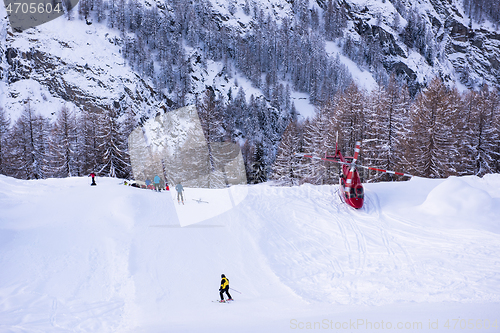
63,145
480,132
209,112
334,19
89,141
287,167
319,139
350,116
4,133
388,115
28,144
433,151
258,172
112,145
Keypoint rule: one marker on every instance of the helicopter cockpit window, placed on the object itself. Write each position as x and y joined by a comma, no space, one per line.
356,192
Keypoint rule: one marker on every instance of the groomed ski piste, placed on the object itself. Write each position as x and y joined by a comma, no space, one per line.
420,256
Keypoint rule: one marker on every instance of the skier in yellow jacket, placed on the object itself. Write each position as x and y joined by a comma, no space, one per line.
224,287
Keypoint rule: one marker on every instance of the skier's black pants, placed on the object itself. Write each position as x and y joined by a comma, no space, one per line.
225,290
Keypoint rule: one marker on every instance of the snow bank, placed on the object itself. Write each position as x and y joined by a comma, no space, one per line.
465,203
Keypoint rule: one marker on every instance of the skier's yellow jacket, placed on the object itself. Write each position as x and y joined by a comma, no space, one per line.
224,283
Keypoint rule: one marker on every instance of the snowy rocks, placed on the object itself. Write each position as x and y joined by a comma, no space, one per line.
84,69
472,51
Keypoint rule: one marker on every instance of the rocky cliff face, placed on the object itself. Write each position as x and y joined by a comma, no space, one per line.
475,54
3,62
50,68
460,51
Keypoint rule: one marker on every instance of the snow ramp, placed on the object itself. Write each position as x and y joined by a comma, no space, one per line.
113,258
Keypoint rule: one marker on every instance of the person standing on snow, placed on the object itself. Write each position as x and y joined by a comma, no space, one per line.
93,179
157,181
224,288
179,189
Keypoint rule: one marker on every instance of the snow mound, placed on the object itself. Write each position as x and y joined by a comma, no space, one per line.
457,199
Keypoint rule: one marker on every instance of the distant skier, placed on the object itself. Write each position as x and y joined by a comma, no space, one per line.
179,189
224,288
93,179
156,182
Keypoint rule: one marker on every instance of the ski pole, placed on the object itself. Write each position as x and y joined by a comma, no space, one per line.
235,290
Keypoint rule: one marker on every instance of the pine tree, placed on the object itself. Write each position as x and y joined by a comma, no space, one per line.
258,172
84,7
113,12
495,114
287,168
467,149
209,112
334,20
210,115
239,107
100,11
481,134
28,144
319,139
4,134
433,152
350,117
120,18
67,6
384,144
246,8
89,149
63,145
112,145
251,128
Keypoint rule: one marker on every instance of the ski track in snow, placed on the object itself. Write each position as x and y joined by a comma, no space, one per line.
112,258
362,235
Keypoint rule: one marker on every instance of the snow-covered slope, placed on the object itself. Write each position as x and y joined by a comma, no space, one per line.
465,53
113,258
51,67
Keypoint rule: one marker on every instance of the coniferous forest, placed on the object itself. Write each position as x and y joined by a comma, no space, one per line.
432,131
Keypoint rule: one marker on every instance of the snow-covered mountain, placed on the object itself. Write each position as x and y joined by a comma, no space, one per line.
113,258
455,48
465,52
54,65
71,62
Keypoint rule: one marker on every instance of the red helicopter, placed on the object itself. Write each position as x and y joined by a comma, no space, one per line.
352,191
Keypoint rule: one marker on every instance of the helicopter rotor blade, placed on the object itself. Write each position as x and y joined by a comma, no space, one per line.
321,158
352,165
356,152
386,171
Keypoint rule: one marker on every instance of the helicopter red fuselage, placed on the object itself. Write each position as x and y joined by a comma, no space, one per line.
351,190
